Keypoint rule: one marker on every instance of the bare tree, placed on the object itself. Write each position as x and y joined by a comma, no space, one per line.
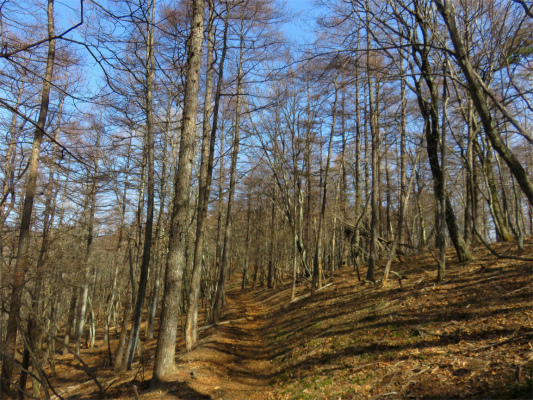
149,144
165,352
23,249
480,99
206,172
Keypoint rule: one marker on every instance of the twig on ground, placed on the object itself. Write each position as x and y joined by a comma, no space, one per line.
325,286
52,388
420,330
398,363
385,395
503,342
422,371
517,290
86,367
495,253
359,367
111,384
300,298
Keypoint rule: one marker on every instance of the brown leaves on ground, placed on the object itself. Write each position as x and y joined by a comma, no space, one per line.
468,337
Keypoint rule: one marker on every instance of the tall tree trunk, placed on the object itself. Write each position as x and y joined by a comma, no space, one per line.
430,112
220,209
159,234
317,270
206,174
375,201
272,241
343,189
166,343
442,200
220,292
353,236
469,184
299,251
308,172
403,175
91,206
149,145
245,267
23,259
35,328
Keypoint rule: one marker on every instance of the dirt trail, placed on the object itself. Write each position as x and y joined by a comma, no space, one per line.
231,360
467,337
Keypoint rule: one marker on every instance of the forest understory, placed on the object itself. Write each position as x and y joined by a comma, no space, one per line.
468,337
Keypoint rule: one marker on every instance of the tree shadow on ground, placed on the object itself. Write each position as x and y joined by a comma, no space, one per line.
161,390
353,330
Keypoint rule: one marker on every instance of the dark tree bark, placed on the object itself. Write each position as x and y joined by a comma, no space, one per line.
220,291
430,112
149,146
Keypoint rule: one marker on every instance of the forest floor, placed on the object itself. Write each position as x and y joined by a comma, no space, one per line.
468,337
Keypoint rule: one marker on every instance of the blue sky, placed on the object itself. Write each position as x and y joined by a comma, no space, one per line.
301,28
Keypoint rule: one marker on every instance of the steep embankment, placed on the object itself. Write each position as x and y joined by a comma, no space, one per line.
468,337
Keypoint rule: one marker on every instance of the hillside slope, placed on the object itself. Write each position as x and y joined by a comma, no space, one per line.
468,337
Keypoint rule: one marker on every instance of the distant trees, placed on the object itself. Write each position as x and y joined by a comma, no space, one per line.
423,65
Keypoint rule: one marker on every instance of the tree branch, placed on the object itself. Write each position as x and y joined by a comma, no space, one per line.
5,54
